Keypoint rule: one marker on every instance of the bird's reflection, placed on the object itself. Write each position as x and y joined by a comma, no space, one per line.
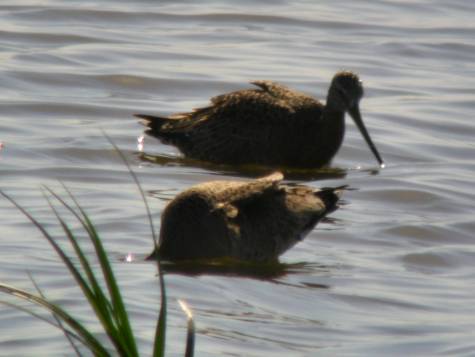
325,173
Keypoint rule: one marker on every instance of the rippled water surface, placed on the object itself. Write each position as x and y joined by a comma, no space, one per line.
392,273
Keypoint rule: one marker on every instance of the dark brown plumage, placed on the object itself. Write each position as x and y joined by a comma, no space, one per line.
250,221
272,125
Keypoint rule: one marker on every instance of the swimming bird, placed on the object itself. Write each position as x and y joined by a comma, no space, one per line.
271,125
252,221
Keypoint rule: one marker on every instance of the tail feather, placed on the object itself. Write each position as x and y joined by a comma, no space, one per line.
330,196
151,121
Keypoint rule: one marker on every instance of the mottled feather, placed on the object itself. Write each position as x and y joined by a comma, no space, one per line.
252,221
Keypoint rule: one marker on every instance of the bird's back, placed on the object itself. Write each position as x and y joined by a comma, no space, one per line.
275,223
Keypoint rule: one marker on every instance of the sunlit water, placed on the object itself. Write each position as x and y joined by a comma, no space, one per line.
392,272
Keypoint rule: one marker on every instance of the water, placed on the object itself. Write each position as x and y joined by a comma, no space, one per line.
390,274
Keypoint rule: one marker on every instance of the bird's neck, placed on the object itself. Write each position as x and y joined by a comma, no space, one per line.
334,129
333,117
332,113
332,101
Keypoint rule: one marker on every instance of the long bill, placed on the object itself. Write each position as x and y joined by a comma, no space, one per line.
355,114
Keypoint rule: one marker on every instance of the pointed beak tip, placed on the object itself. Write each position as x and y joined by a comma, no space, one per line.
355,114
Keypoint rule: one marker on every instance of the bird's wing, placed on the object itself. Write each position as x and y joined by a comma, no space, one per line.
271,102
237,196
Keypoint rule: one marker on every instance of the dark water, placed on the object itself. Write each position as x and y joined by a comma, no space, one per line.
392,272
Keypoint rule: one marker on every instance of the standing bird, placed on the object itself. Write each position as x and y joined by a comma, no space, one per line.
248,221
272,125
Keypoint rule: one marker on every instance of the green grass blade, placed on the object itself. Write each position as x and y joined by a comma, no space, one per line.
160,331
72,239
113,325
99,301
125,341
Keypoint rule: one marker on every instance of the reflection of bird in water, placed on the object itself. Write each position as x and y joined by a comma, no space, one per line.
272,125
250,221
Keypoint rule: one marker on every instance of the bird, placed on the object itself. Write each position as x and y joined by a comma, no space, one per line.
271,125
249,221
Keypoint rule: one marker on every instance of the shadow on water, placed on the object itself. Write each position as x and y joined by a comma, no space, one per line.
271,272
235,268
230,267
251,171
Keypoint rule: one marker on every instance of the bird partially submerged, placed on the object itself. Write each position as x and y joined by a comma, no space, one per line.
252,221
272,125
